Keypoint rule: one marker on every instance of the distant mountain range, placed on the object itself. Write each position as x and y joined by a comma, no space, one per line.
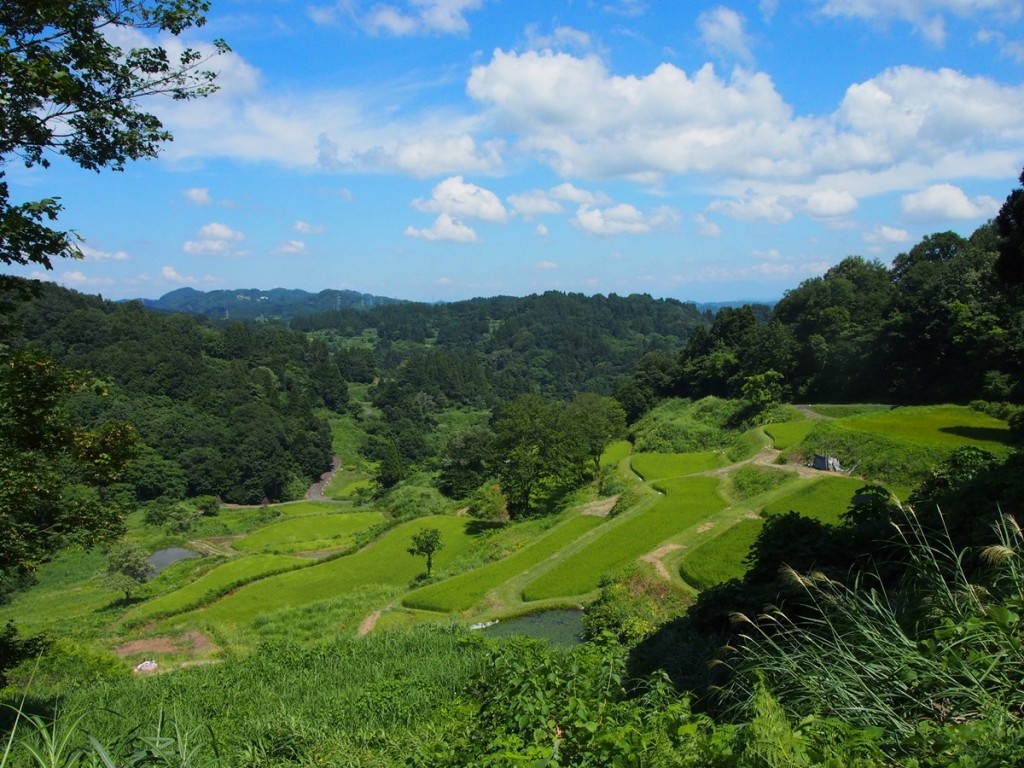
252,303
286,303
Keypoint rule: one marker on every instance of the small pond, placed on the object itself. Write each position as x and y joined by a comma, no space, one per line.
164,557
562,628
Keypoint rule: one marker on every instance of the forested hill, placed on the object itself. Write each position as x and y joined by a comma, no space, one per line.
252,303
554,343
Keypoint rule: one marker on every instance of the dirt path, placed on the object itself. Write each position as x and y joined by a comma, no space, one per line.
368,624
316,490
655,559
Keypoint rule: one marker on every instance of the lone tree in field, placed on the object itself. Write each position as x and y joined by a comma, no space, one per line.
425,544
67,88
127,568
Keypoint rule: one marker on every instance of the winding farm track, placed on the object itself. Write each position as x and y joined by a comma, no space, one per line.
316,490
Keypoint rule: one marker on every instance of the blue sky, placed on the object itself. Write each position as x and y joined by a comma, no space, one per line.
438,150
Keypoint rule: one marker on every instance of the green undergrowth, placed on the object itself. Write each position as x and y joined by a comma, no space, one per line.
749,481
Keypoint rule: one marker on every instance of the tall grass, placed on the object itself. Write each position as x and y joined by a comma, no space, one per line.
370,702
944,647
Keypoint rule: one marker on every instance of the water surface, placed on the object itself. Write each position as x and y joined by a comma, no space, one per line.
563,628
164,557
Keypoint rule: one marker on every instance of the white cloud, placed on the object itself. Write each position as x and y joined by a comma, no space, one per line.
585,122
215,239
198,195
542,230
886,234
94,254
706,227
305,228
546,265
927,16
622,219
722,32
769,208
456,197
171,274
574,194
562,38
80,279
291,248
446,229
535,203
415,17
419,155
827,203
946,201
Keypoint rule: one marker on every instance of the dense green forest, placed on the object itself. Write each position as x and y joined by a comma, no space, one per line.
883,632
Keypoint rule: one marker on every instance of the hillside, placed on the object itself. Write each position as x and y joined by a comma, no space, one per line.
252,303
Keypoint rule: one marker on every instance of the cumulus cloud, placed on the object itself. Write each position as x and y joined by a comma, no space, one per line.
828,203
622,219
885,234
456,197
420,155
542,230
535,203
95,254
415,17
198,195
215,239
171,274
572,113
305,228
946,201
80,279
546,265
768,208
445,228
722,32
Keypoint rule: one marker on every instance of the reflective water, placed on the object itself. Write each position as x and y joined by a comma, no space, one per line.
164,557
561,628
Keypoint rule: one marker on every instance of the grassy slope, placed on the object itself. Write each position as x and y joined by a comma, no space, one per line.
311,532
686,502
384,562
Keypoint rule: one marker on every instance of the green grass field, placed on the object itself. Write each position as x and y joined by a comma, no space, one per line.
687,501
788,433
309,533
654,466
234,572
721,558
461,592
384,562
306,507
823,499
949,426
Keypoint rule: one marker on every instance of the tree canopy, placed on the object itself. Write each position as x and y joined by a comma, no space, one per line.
67,88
